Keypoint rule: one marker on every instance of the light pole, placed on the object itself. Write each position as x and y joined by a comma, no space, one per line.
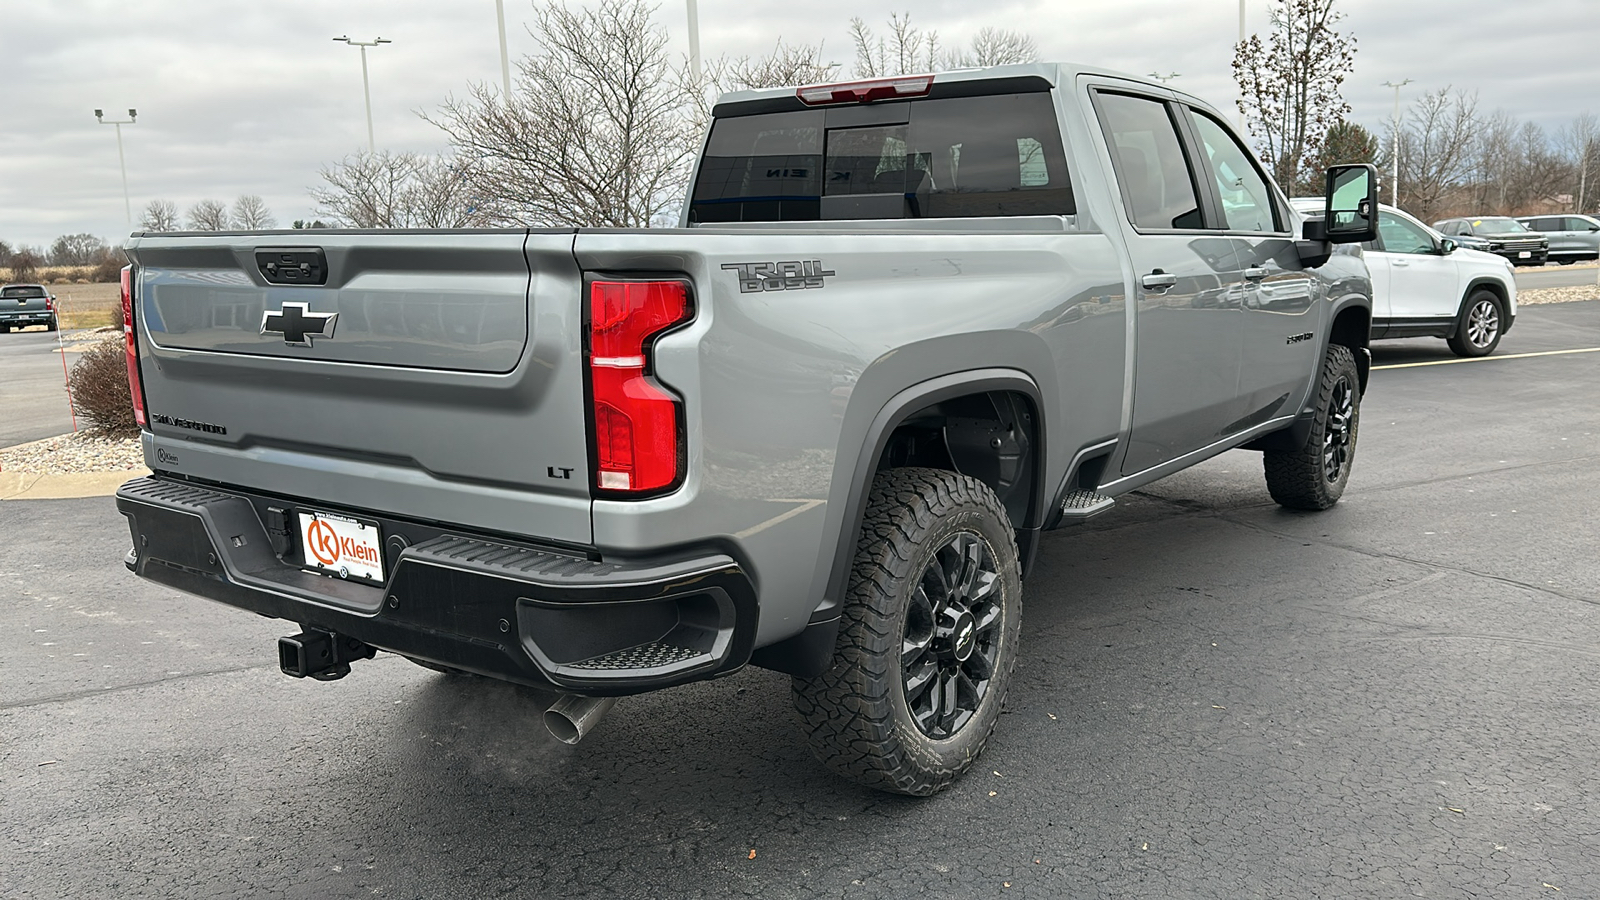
99,114
366,88
1165,78
1241,44
505,59
694,39
1395,190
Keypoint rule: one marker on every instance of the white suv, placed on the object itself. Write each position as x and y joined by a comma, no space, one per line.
1424,285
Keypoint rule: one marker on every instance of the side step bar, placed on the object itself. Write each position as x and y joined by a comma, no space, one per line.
1081,506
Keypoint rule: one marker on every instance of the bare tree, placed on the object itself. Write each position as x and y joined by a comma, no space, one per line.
5,253
905,49
1437,140
209,215
77,250
25,263
250,213
994,47
159,215
600,128
1290,85
1580,143
786,65
399,190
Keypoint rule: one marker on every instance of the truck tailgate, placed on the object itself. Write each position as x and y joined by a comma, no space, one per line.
436,375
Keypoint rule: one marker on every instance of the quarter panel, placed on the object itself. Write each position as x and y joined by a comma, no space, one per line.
780,386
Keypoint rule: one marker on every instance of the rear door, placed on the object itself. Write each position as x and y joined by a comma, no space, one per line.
1188,281
1280,344
436,375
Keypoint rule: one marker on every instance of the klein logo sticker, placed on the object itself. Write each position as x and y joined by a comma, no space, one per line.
323,542
789,275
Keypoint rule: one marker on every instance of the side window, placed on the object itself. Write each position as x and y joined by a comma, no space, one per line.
1400,236
1246,200
1150,162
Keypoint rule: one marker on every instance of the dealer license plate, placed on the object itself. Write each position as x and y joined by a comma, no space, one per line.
1525,254
342,546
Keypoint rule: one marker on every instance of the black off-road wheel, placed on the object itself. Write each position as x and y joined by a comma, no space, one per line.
1314,476
1479,326
927,636
54,325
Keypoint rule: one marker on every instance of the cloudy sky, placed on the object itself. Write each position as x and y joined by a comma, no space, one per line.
241,96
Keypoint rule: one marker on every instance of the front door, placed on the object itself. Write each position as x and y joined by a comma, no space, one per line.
1422,282
1188,284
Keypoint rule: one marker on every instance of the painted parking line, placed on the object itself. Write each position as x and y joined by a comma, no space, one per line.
1451,362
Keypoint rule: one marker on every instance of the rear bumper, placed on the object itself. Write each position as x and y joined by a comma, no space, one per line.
518,613
23,320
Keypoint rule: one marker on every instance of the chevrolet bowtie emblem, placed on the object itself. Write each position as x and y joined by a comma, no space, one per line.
297,324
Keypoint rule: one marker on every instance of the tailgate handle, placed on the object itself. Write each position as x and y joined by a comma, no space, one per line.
292,265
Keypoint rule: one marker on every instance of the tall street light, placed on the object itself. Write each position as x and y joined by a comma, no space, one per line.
366,87
1165,78
1395,191
694,39
505,58
127,205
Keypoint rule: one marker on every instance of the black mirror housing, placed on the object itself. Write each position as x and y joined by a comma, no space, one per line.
1351,204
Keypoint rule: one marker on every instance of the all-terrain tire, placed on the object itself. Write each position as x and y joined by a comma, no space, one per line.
1479,325
858,715
1314,476
54,325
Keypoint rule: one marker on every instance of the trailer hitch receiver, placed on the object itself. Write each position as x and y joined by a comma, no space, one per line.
319,654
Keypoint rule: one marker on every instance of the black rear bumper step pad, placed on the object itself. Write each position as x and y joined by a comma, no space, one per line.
522,614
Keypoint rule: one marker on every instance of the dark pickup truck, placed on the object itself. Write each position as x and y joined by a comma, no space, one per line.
22,305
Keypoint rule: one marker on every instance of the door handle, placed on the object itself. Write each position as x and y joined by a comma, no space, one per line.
1402,263
1255,273
1158,281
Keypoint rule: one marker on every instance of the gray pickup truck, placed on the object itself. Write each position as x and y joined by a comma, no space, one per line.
906,326
22,305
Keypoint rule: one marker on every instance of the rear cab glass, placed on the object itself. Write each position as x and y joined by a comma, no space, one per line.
957,157
21,292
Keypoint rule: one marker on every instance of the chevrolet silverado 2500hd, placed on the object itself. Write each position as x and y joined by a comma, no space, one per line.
907,325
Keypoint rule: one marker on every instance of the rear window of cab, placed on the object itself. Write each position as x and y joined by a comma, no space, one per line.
997,155
21,292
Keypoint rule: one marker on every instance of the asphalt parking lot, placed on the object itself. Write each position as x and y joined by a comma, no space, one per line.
1216,698
35,395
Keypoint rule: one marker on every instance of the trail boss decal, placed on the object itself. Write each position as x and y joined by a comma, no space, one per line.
1298,338
791,275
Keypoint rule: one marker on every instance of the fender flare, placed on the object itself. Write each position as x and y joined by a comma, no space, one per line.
807,653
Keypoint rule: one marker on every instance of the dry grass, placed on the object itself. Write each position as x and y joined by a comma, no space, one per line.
55,275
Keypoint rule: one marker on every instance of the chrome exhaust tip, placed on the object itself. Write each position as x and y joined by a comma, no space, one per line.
572,717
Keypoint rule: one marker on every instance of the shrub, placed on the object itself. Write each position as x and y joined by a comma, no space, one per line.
100,390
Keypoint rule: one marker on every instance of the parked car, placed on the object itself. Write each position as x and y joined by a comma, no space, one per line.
917,322
1424,285
1572,238
22,305
1500,235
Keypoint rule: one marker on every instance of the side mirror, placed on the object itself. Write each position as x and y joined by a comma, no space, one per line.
1447,247
1352,204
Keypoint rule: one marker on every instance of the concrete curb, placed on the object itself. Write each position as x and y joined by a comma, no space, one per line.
33,486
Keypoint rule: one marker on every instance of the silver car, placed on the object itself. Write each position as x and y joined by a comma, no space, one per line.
1572,238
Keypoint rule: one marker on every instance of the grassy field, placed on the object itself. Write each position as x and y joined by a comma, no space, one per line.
87,305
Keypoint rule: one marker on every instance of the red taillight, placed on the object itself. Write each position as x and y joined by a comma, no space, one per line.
866,91
131,345
638,446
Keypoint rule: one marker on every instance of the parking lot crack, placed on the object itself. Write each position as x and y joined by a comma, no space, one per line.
121,688
1429,564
